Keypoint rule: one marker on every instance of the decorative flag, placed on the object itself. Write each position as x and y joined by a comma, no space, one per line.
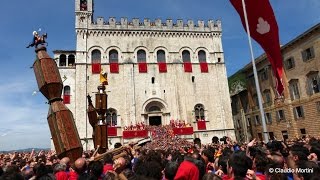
103,77
263,29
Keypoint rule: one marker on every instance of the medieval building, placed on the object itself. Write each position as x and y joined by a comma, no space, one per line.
299,114
157,71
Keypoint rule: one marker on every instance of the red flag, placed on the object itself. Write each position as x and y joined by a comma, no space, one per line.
264,29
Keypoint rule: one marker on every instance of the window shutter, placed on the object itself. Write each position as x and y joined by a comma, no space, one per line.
278,116
312,53
293,63
295,113
302,111
304,55
309,86
291,91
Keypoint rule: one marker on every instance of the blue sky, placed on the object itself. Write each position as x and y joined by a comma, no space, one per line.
23,121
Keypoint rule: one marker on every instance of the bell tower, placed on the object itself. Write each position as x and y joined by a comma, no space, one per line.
84,13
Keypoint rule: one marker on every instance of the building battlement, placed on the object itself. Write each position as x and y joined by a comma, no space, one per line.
146,24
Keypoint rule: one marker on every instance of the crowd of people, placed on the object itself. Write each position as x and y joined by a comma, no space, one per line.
142,126
170,158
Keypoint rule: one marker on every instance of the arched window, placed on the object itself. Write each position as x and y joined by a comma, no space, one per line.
161,56
199,112
113,56
186,56
161,59
96,60
141,56
202,56
62,60
96,56
83,5
71,60
66,95
186,61
142,61
112,117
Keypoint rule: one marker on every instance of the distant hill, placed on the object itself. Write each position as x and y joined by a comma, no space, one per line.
26,150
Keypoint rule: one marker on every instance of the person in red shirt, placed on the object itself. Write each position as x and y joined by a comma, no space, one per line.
108,163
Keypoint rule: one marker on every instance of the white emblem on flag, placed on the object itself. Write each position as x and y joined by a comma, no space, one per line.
263,26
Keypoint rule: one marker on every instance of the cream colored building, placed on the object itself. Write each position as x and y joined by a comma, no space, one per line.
299,114
151,84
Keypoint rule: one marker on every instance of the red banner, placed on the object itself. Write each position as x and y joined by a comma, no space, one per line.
96,68
135,134
112,131
204,67
202,125
183,131
114,68
143,68
162,67
66,99
187,66
264,29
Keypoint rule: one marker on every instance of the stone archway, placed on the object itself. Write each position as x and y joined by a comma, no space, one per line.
153,111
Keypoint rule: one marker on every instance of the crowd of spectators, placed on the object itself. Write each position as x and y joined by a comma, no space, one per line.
224,159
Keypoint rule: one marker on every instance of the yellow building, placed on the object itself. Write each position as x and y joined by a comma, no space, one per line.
299,113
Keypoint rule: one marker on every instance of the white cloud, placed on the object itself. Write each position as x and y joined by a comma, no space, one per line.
23,116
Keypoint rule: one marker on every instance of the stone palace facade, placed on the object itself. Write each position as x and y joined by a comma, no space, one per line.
157,71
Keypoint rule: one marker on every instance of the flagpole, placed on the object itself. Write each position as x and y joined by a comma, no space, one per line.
263,120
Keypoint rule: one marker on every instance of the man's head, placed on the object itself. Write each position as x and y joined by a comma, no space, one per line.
117,145
171,170
197,141
215,140
297,153
80,165
65,161
207,155
238,165
260,163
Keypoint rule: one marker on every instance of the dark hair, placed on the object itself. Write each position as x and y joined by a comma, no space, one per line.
171,170
96,168
211,176
208,154
311,166
261,162
240,164
10,176
117,145
107,159
40,170
148,169
274,146
223,160
300,151
215,140
197,141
